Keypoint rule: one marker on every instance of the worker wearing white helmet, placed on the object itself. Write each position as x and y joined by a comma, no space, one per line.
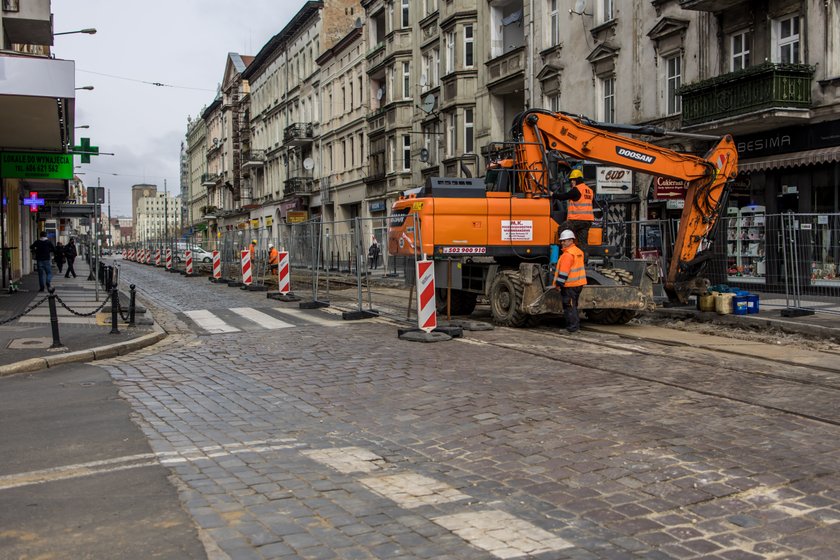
273,259
570,278
579,217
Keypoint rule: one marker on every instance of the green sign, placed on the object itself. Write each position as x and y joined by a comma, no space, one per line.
86,150
33,165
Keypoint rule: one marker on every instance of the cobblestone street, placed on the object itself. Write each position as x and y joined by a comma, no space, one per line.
324,442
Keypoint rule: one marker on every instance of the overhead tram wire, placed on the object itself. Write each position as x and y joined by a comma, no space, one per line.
156,84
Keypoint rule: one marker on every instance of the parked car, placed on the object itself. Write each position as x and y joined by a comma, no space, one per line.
198,255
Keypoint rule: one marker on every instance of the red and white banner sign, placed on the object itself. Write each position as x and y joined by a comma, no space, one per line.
247,278
168,259
189,265
284,280
217,265
426,308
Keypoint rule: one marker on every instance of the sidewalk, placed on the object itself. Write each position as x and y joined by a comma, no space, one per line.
27,341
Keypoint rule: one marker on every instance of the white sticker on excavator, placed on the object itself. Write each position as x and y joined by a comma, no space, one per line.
517,230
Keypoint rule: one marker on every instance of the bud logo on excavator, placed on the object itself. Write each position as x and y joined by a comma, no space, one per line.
630,154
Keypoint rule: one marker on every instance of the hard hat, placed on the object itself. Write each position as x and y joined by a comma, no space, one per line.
567,234
576,174
270,245
254,241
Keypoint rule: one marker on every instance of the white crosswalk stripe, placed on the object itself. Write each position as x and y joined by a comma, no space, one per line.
248,319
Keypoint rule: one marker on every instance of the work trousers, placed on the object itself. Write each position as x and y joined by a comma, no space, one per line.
570,298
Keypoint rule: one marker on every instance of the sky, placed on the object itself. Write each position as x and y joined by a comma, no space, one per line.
181,43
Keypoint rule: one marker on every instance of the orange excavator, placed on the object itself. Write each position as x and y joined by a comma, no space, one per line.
496,236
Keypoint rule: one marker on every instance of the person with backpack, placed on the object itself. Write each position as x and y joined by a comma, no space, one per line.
70,254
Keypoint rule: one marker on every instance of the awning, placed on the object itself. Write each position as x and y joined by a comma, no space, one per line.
792,159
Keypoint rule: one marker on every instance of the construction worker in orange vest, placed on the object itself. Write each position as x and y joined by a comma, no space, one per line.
570,278
273,259
579,217
253,248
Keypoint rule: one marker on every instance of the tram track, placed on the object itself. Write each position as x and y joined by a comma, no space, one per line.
803,398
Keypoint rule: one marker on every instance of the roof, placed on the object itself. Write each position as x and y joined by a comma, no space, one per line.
270,48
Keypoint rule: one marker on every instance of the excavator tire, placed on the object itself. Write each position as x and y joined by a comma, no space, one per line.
461,303
610,316
505,297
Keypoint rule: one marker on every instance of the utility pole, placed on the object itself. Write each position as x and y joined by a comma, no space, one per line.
110,238
166,215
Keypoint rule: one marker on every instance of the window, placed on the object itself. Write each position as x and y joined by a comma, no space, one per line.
607,109
405,14
433,79
554,103
786,33
468,46
673,79
352,101
406,152
741,46
605,10
449,45
406,70
452,137
554,23
468,131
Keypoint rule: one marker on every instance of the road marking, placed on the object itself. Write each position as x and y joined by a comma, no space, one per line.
260,318
165,458
501,534
209,322
310,317
412,490
347,459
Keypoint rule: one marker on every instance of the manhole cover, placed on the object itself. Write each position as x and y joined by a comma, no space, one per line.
36,343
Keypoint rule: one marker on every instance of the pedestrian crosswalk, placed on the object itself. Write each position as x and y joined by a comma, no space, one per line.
248,319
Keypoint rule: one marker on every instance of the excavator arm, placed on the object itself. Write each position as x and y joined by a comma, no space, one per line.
542,133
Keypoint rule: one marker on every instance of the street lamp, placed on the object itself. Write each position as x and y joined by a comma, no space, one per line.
89,88
87,31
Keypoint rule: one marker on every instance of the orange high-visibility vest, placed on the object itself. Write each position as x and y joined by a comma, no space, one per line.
273,256
581,209
570,271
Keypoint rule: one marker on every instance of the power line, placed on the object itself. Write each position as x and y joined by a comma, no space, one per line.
156,84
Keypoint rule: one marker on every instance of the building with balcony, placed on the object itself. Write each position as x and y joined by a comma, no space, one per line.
195,201
37,112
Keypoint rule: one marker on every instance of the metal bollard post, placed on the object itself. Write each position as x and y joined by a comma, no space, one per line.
115,310
131,304
54,321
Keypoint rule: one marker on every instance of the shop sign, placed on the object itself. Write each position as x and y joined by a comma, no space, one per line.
255,223
377,206
665,188
675,204
32,165
269,221
296,216
613,180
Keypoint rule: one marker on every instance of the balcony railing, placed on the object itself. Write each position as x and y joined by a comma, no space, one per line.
505,66
253,158
300,184
298,134
767,86
209,179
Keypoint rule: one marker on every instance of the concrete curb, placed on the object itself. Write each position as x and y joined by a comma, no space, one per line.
91,354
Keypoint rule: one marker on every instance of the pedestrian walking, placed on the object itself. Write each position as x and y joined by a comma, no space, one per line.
41,251
373,253
570,278
59,256
70,254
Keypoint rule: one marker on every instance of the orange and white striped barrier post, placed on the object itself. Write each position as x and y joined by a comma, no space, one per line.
189,265
217,265
168,259
148,256
426,309
157,256
247,277
284,280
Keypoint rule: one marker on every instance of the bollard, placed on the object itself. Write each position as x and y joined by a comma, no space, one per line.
56,343
115,310
131,304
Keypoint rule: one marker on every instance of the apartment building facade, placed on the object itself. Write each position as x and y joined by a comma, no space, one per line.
434,91
158,217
